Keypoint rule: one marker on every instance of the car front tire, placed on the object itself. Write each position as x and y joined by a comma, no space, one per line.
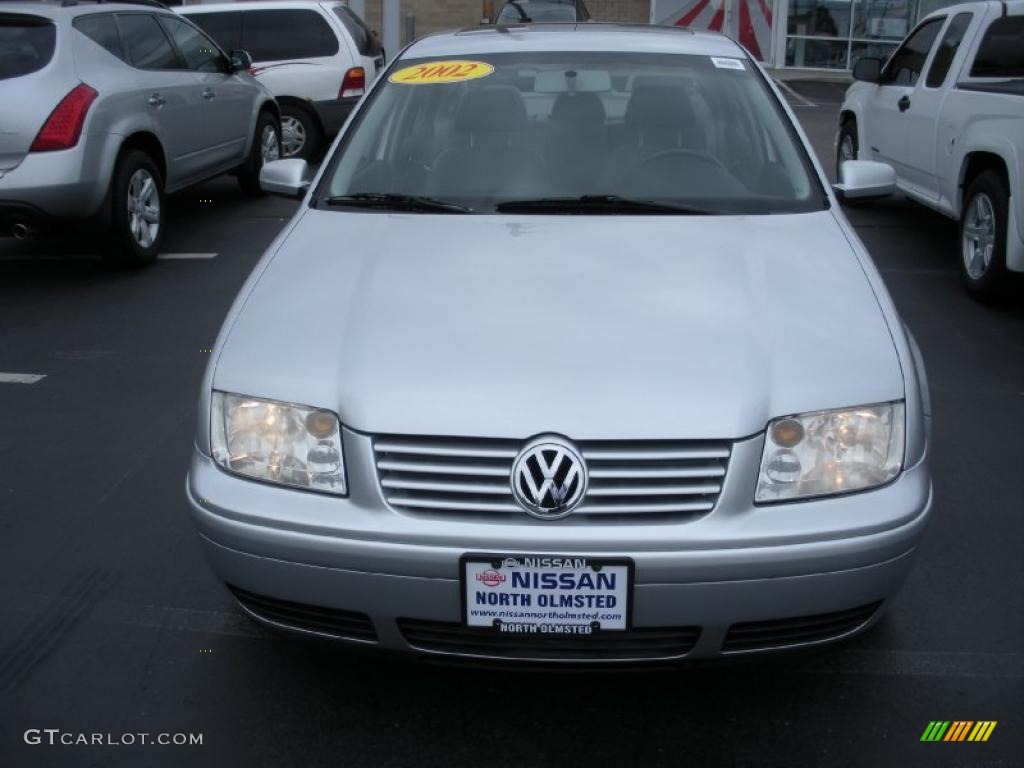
983,224
137,215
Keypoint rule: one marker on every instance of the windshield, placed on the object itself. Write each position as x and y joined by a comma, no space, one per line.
698,132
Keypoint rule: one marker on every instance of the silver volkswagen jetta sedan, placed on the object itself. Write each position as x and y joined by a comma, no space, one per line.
569,354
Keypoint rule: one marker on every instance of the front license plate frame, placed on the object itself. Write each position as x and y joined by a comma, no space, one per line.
503,564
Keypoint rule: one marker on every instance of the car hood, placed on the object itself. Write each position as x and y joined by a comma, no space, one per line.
638,327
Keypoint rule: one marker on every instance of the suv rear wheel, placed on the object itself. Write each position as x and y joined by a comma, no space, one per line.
137,216
300,132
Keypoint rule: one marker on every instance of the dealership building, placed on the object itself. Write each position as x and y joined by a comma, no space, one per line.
796,34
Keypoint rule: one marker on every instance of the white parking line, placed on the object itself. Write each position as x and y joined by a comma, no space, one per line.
187,256
804,102
21,378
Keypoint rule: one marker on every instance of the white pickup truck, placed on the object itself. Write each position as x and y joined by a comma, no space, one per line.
947,112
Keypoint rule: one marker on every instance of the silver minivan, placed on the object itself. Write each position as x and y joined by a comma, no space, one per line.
118,104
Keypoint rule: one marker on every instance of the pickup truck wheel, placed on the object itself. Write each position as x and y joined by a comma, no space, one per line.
983,236
266,146
300,133
137,215
847,148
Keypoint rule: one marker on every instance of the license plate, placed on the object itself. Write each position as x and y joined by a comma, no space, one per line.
546,594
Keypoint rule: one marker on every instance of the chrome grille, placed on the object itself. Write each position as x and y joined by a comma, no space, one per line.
461,476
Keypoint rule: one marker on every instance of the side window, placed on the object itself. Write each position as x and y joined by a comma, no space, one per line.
1001,53
947,49
287,34
102,30
200,52
904,68
145,42
366,42
225,28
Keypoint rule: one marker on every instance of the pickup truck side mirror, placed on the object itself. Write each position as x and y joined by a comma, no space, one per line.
868,70
864,180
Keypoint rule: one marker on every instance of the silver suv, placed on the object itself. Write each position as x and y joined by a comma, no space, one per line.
118,104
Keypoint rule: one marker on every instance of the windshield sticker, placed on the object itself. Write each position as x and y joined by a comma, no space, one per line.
441,72
726,63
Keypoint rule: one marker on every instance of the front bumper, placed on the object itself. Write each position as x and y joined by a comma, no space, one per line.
738,565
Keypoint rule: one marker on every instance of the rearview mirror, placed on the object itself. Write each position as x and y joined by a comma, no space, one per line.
240,60
864,180
288,178
868,70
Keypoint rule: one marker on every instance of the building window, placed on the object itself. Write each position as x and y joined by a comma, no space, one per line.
833,34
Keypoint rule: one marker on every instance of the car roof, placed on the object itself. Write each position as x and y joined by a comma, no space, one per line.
58,9
1011,8
257,5
573,36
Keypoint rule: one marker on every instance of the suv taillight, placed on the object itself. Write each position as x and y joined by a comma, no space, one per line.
354,83
63,127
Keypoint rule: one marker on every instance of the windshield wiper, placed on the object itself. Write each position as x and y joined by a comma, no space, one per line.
596,204
395,202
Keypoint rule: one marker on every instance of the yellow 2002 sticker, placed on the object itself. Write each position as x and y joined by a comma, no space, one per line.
441,72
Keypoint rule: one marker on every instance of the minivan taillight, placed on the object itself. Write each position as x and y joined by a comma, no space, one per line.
63,127
354,83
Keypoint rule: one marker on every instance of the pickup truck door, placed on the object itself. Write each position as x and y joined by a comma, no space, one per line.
924,118
887,127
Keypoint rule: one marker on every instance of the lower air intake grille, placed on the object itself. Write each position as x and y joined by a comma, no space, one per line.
311,618
779,633
464,476
454,638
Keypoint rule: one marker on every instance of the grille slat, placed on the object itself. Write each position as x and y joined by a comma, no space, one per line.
650,644
456,505
475,449
497,470
656,473
472,476
653,490
444,487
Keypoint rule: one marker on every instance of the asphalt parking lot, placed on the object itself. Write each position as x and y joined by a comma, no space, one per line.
111,623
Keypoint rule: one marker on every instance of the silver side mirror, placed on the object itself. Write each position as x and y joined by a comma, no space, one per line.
865,179
288,178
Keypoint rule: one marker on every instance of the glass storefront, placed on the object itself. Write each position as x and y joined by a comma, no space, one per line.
810,34
833,34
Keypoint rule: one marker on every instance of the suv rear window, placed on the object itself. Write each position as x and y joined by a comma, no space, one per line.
287,34
1001,53
102,30
26,44
366,42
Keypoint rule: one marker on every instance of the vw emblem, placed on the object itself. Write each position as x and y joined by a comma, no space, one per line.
549,478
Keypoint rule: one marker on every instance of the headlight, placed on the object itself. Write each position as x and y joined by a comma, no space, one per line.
826,452
278,442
